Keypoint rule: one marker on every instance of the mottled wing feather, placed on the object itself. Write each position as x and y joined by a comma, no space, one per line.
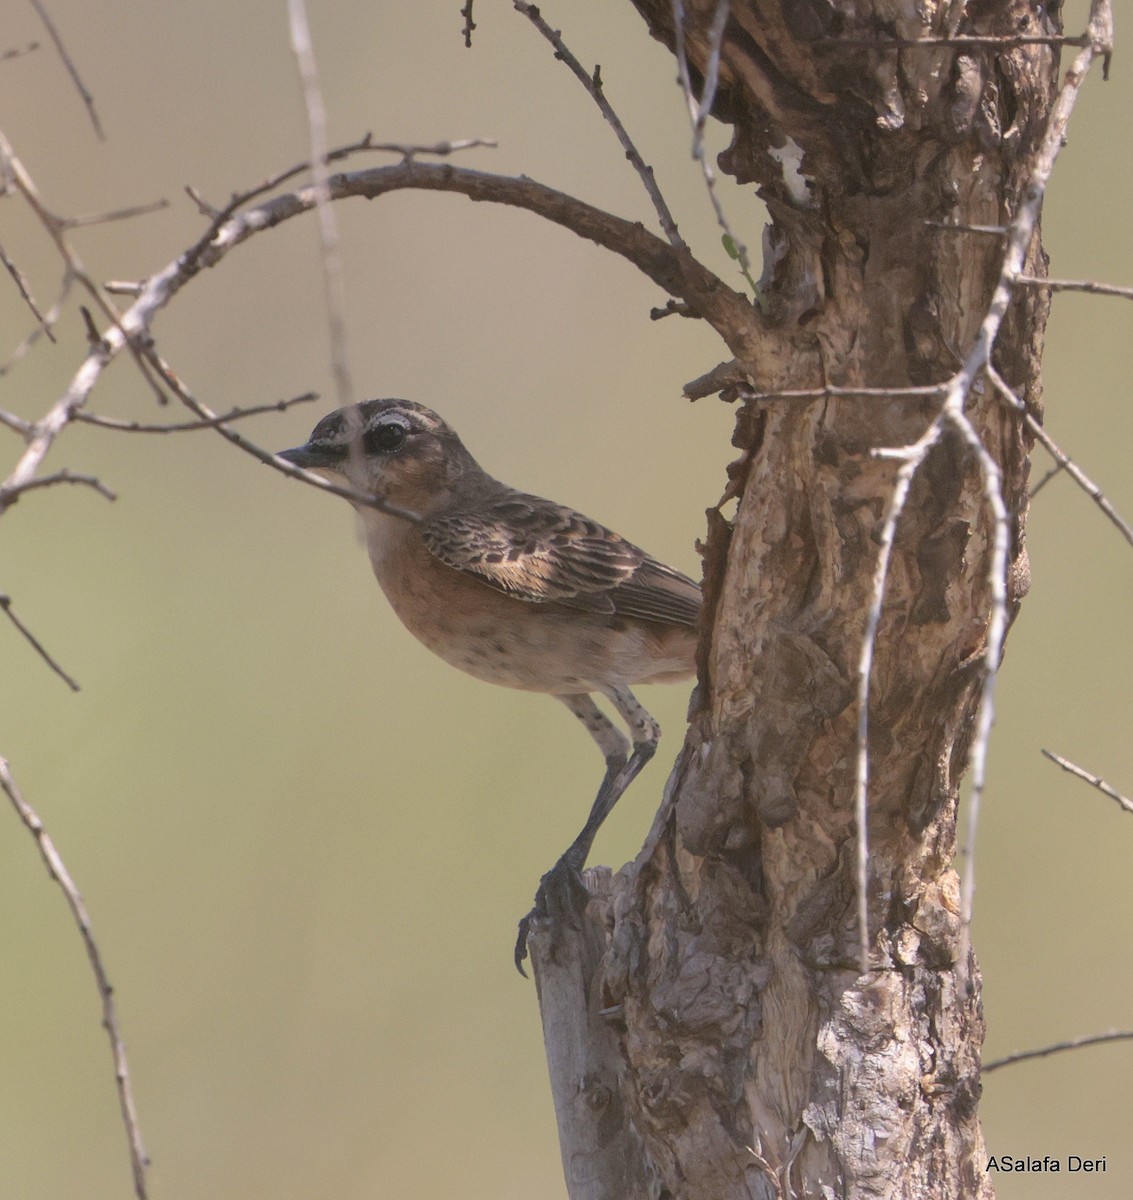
545,553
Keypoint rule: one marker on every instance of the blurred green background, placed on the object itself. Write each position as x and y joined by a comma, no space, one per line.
304,841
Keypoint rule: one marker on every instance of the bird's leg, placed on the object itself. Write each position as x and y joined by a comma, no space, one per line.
561,893
646,733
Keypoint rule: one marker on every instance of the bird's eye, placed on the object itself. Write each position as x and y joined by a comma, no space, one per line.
386,438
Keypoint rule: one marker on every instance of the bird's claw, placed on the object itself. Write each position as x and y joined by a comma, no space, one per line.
562,898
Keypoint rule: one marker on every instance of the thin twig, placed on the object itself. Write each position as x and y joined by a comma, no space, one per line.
18,51
118,214
911,458
22,427
1089,1039
1050,474
72,70
217,216
177,386
1064,462
697,116
1093,780
328,228
1075,285
959,40
1099,44
964,227
830,391
993,654
36,644
593,86
469,23
711,76
235,414
25,185
24,288
56,868
50,320
978,360
9,493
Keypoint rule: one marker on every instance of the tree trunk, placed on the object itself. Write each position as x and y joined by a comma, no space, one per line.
756,1058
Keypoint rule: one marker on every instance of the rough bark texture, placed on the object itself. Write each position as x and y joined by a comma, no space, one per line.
757,1060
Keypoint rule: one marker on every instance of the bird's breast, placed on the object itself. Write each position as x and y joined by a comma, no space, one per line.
513,642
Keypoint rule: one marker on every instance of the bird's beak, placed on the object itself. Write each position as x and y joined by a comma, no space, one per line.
313,456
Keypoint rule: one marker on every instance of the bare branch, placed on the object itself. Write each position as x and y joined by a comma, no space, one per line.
9,493
54,225
49,321
469,23
1064,462
959,40
219,215
1090,1039
593,85
18,51
1075,285
328,229
123,287
711,75
235,414
24,288
698,115
1093,780
214,421
978,361
1019,235
993,655
1038,487
964,227
56,868
911,457
36,644
118,214
72,70
22,427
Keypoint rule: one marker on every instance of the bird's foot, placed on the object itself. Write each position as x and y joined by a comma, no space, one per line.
562,898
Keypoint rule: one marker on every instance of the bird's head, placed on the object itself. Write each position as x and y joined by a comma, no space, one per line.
394,449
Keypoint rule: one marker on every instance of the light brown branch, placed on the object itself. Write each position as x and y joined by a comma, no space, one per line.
57,869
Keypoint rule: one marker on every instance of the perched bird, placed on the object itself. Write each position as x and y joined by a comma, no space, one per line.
512,588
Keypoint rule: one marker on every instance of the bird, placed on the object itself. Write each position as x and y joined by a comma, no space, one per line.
512,589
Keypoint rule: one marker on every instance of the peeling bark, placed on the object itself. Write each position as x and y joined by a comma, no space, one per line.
756,1059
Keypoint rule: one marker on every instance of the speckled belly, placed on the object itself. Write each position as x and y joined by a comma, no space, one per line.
519,644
